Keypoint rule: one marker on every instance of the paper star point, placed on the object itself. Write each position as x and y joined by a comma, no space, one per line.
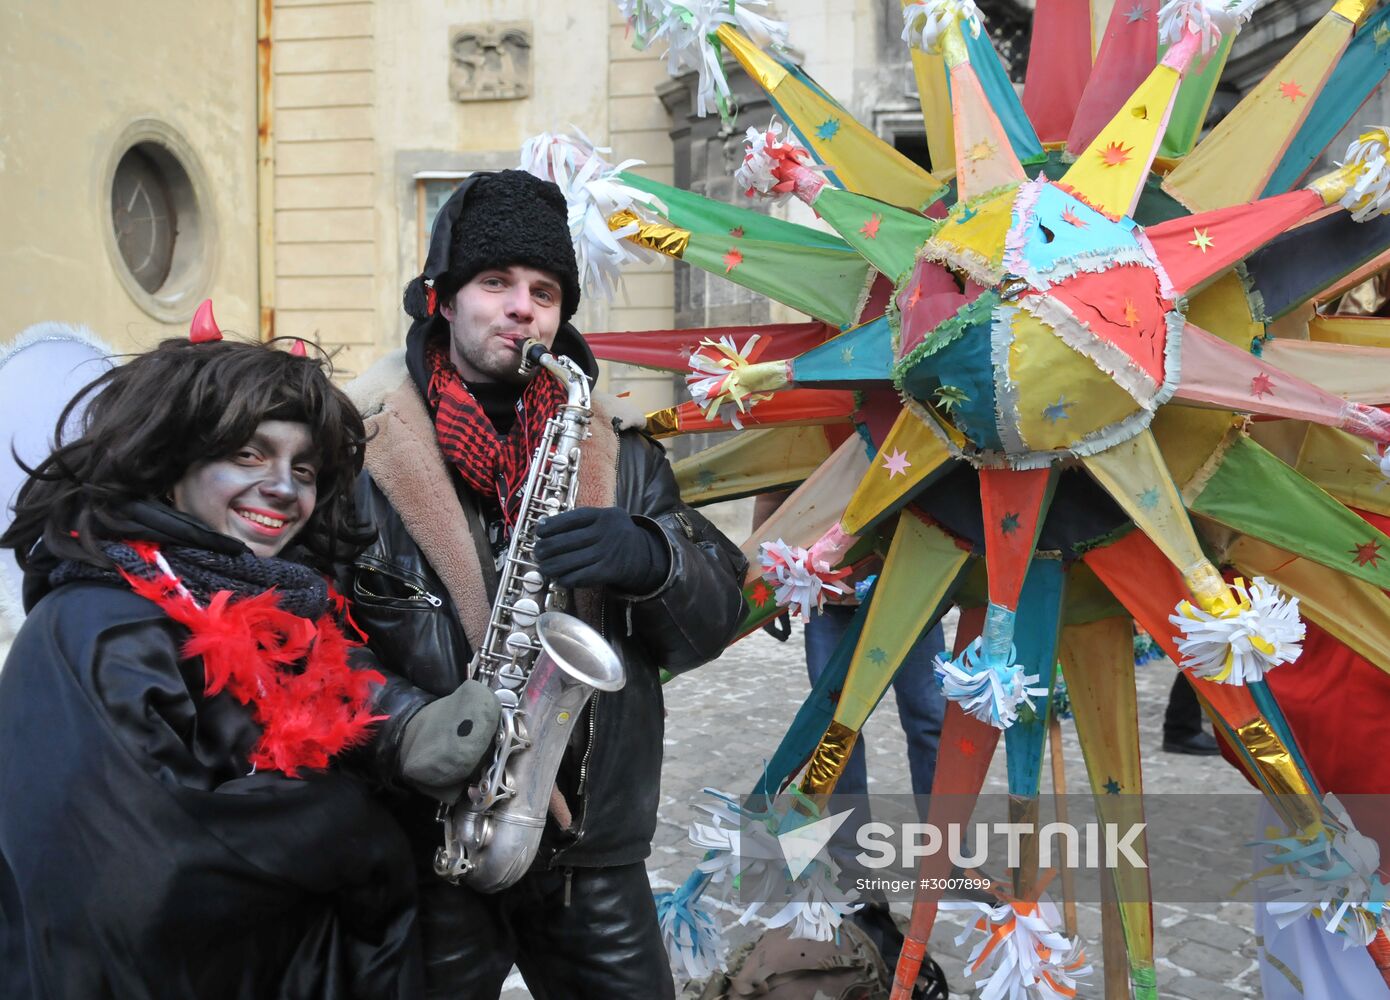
1008,524
1201,239
1367,554
1292,90
1058,410
1261,385
828,129
1136,14
1071,218
982,150
1116,154
870,228
896,463
732,259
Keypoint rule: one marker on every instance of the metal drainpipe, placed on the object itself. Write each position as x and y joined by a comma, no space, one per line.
265,170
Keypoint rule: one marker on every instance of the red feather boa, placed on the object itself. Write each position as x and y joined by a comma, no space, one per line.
249,649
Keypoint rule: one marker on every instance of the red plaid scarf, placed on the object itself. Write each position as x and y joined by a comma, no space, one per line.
489,464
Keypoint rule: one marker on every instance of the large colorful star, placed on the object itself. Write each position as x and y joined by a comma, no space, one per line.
870,228
1292,90
896,463
1261,385
1201,239
732,259
1367,554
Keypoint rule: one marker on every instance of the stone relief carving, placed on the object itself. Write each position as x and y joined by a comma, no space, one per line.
490,61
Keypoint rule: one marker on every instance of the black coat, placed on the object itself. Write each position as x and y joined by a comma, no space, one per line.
138,859
612,772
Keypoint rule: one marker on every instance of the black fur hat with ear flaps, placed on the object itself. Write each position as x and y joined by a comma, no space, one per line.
496,220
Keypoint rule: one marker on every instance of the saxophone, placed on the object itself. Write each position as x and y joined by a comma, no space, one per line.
542,664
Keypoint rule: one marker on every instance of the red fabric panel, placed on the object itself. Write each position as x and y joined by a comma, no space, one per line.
1059,63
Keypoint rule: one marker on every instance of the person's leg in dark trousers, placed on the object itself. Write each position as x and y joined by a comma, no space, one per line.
1182,722
468,941
921,708
595,939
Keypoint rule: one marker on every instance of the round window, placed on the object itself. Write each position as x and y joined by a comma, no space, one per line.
159,229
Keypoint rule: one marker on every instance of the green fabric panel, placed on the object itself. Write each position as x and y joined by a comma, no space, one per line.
703,215
887,236
826,284
1257,494
1194,99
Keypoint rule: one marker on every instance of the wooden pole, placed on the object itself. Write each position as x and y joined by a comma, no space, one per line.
1112,936
1059,797
265,168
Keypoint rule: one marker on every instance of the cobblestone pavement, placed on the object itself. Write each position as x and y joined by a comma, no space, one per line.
725,718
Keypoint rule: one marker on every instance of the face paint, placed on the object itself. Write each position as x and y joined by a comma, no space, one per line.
261,494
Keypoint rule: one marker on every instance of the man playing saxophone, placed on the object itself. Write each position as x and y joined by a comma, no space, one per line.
454,428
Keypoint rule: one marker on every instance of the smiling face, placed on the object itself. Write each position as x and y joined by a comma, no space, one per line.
262,494
492,314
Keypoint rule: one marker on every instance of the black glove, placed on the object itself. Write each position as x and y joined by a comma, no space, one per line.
444,742
595,546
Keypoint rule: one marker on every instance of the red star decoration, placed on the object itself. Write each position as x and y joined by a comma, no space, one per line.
1072,218
1116,154
966,746
1291,90
915,297
736,232
1261,385
870,228
1367,554
1131,313
732,259
760,594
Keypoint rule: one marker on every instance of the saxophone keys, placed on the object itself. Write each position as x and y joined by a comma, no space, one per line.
532,582
525,612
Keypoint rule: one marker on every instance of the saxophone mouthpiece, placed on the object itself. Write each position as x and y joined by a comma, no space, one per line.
532,351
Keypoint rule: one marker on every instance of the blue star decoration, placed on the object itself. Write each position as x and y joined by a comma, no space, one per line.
827,129
1148,500
1058,410
967,215
705,479
1008,524
1136,13
878,655
1112,787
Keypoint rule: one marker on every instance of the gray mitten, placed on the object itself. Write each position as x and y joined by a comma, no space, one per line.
446,739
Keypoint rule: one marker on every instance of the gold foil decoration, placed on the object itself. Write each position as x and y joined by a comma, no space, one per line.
1333,186
1277,767
765,71
1354,11
829,760
953,48
1209,588
662,237
663,423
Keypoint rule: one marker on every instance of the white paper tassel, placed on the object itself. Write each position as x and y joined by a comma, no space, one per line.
766,154
688,27
1369,197
801,582
1338,885
1259,631
991,694
1212,19
593,193
1028,959
746,848
925,22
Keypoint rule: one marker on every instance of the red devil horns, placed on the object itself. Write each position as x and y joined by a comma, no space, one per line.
203,329
299,350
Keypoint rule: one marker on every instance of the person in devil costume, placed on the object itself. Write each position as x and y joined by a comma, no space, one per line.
173,712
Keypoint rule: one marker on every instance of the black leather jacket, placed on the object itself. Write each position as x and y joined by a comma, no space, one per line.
612,770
